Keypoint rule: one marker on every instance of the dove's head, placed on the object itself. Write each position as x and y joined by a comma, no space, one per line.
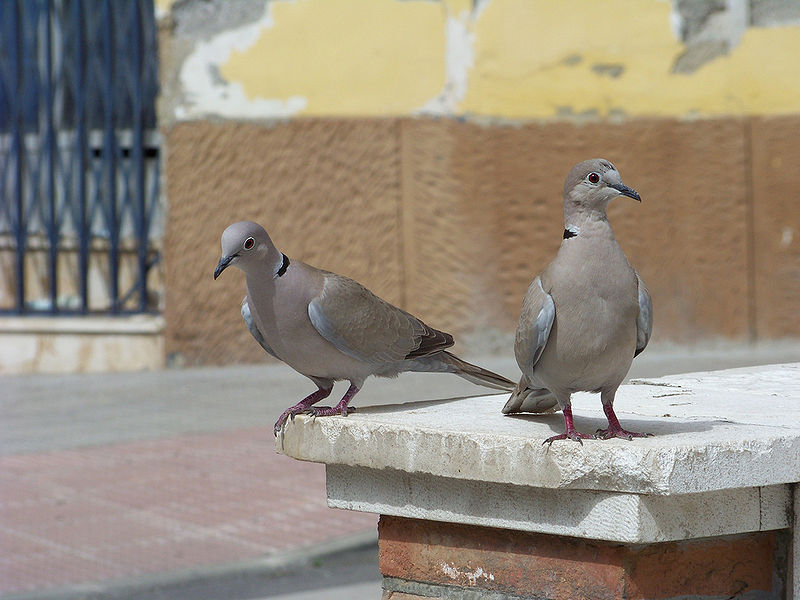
592,184
247,245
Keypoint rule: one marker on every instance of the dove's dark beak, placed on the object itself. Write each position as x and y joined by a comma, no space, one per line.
223,263
626,191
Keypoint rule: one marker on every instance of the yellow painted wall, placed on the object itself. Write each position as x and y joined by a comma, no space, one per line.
524,59
365,57
538,59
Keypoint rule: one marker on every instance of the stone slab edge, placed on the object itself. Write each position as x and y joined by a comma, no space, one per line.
611,516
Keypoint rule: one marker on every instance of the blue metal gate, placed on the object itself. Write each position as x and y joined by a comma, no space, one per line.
79,157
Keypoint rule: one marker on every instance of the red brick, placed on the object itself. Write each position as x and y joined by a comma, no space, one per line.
508,561
567,568
723,566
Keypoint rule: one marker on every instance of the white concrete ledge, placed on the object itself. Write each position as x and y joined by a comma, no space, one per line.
128,325
713,431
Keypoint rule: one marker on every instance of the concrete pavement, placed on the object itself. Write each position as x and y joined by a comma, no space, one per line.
127,481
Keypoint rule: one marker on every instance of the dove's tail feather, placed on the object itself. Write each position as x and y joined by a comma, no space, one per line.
527,399
474,373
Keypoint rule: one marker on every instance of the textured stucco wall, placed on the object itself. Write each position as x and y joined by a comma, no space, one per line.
420,147
451,220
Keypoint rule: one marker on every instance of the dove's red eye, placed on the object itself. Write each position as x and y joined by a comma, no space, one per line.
593,177
249,243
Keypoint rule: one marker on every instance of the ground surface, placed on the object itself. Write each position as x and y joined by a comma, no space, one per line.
166,484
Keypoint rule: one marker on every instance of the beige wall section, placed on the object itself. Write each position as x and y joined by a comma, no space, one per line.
776,223
327,192
452,220
487,202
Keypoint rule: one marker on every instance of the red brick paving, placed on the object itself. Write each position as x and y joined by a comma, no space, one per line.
94,514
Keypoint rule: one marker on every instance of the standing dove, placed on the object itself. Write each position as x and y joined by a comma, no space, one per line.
587,315
329,327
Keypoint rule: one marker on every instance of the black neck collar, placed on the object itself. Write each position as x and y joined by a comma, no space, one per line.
284,266
569,234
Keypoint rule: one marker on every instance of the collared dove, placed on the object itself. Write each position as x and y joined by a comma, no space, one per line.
329,327
587,315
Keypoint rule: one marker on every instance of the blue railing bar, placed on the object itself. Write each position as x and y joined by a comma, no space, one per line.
79,155
154,191
19,151
138,151
109,154
51,220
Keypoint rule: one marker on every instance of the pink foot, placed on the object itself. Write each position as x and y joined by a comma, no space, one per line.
327,411
570,433
614,429
619,432
339,409
300,407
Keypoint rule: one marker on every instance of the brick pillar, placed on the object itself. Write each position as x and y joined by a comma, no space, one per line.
429,559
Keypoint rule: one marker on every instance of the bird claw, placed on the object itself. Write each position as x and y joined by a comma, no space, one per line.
568,435
327,411
304,407
623,434
288,415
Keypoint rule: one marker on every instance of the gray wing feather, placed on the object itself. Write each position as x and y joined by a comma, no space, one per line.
328,330
367,328
251,325
535,323
644,322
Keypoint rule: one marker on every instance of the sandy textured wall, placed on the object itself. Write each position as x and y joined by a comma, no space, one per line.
451,220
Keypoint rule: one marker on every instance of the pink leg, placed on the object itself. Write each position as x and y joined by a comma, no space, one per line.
570,433
301,406
339,409
614,428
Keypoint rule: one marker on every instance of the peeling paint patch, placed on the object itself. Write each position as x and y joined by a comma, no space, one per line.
459,58
205,90
204,18
696,55
709,29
